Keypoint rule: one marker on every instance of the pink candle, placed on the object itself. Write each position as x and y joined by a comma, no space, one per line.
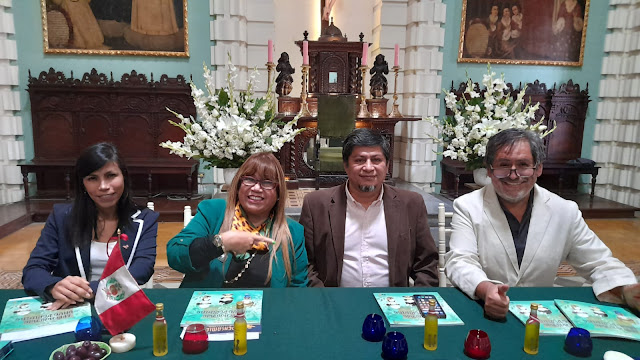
270,51
305,52
365,53
396,56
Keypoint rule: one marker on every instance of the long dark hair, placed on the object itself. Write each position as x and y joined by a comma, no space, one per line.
83,223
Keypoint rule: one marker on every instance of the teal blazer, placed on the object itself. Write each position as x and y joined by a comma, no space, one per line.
206,222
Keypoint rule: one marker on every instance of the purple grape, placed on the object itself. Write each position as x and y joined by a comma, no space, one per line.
82,352
71,350
86,344
95,354
94,347
58,355
73,357
103,352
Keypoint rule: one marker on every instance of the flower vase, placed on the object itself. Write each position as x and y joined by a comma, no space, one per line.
228,174
480,177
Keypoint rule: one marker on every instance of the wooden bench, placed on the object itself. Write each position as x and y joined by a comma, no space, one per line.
147,167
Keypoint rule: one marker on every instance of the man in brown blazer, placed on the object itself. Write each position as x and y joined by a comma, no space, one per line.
364,233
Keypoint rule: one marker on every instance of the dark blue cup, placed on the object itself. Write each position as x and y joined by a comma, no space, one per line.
88,328
578,342
394,346
373,328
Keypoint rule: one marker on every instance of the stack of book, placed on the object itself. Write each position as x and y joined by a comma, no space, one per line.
216,310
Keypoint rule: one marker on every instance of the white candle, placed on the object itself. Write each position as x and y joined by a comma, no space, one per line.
122,342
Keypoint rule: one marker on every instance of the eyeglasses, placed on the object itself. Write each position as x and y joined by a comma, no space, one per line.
265,184
521,171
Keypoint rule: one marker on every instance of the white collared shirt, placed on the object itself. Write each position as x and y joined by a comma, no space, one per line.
100,252
366,257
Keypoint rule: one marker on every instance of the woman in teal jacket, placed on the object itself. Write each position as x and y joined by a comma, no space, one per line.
246,242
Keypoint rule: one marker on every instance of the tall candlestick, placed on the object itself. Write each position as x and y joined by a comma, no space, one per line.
364,112
270,51
365,53
396,56
395,112
304,107
305,52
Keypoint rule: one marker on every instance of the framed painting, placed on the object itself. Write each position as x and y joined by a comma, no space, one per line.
537,32
115,27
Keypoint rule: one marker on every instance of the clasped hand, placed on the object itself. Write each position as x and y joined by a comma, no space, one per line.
70,291
240,242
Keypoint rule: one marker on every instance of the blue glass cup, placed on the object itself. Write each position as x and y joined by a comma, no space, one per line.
88,328
394,346
578,342
373,328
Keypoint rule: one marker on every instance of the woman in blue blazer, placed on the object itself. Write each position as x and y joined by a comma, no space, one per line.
66,264
247,241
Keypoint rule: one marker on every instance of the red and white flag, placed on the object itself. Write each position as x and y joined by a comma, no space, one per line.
120,302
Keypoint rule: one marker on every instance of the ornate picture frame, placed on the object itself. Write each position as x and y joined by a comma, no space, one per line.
115,27
537,32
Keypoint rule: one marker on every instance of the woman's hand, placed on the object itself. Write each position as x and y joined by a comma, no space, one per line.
239,242
69,291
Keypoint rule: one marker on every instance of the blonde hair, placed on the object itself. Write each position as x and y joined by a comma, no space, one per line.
266,166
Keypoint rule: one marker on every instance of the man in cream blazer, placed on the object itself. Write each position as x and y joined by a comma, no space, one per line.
484,259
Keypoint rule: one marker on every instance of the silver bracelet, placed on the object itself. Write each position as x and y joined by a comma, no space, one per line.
217,241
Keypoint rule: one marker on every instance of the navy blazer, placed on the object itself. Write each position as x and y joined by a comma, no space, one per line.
54,258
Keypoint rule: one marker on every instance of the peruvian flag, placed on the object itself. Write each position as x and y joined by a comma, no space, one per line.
120,302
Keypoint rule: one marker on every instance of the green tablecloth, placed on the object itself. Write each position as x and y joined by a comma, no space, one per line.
327,323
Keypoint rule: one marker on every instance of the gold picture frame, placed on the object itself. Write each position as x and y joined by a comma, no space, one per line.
536,32
115,27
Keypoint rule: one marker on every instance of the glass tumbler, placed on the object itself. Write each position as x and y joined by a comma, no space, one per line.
196,339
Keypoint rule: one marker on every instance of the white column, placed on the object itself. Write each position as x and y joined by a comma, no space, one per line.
11,149
416,26
617,132
242,29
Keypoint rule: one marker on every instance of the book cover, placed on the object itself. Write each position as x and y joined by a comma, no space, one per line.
601,320
552,322
400,309
213,308
28,318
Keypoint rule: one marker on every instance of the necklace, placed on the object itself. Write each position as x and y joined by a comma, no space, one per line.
246,266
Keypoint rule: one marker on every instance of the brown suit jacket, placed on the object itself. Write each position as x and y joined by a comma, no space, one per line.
412,251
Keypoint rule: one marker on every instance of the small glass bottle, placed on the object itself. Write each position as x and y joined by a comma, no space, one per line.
240,331
431,327
160,346
532,331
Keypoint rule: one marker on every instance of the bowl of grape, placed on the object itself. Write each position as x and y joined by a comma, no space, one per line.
84,350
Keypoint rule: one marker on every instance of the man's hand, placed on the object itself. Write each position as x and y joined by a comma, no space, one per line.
69,291
496,301
631,294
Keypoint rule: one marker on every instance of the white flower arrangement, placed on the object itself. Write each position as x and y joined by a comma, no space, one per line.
477,116
230,126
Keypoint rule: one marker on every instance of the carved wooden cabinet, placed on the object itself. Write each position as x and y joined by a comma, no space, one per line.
70,114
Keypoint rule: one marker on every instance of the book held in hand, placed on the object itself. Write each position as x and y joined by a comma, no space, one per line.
401,309
28,318
552,322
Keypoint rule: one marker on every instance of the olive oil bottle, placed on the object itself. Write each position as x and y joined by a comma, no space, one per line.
160,346
431,327
532,331
240,331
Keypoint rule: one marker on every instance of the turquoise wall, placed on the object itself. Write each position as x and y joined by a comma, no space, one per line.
588,73
31,56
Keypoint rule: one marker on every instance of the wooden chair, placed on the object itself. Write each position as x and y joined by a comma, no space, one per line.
442,242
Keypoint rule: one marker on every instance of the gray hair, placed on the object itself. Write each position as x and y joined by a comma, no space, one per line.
507,138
